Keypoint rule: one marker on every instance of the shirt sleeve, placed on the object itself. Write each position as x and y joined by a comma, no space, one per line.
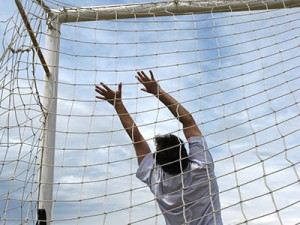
199,152
145,169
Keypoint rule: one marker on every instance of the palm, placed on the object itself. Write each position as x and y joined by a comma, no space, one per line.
108,94
150,84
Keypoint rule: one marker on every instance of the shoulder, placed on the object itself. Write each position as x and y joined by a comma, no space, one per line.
145,168
197,143
198,150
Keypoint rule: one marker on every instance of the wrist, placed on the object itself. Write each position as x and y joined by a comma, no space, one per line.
117,103
159,93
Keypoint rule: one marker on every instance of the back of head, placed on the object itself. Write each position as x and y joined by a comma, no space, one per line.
171,154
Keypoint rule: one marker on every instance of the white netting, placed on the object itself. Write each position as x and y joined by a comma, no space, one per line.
237,72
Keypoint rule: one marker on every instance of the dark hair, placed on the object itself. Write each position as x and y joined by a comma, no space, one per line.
171,154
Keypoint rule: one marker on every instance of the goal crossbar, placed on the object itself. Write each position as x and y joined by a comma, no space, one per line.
165,9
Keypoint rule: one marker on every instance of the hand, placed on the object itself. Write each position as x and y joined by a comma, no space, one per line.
150,84
108,94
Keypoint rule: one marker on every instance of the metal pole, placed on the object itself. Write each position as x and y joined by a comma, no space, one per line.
167,8
45,198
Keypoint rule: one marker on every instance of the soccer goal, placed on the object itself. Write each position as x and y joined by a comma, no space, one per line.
64,156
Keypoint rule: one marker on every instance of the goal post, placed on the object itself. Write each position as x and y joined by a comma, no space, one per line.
233,64
45,194
166,9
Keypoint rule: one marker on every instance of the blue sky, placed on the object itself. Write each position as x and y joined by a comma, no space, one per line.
238,75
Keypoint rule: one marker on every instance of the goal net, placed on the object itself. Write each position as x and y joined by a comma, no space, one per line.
233,64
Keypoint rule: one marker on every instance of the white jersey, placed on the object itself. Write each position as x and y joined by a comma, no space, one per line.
195,201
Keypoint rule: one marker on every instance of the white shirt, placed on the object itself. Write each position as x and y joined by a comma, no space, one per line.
195,201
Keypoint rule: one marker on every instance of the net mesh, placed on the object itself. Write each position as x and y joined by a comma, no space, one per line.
236,72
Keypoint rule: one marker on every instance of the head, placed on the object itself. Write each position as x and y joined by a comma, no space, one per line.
170,154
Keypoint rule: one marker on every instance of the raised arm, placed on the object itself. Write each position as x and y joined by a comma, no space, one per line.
151,86
115,98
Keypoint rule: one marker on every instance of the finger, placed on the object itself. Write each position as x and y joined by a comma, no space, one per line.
139,79
145,75
99,88
140,76
100,91
120,87
101,97
105,86
152,76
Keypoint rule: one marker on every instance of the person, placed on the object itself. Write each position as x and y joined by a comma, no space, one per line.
184,185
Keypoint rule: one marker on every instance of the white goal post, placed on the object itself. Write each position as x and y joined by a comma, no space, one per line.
165,9
232,63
